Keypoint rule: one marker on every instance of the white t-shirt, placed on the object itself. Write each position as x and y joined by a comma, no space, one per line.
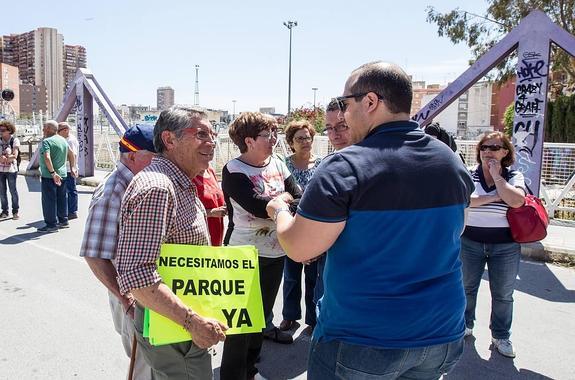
74,146
6,149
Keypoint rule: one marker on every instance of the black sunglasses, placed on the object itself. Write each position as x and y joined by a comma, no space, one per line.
493,148
342,105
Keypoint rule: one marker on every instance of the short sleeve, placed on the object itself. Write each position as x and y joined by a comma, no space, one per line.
517,180
328,195
45,147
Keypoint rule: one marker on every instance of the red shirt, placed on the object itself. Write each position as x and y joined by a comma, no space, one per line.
211,196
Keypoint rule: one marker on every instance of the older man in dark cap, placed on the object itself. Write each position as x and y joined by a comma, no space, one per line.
101,232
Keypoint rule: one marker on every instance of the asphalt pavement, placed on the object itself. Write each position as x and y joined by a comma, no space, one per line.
55,321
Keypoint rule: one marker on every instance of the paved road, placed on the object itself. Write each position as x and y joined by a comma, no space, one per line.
55,322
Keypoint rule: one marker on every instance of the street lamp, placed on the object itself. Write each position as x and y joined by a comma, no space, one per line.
314,91
234,112
289,25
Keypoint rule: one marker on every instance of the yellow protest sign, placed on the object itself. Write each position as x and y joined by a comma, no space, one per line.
216,282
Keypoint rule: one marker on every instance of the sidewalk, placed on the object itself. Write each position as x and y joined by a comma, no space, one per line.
558,246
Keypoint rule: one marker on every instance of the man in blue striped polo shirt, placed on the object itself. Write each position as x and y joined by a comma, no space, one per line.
389,210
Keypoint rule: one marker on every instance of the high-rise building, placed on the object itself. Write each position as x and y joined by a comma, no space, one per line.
9,80
39,55
33,99
165,98
74,58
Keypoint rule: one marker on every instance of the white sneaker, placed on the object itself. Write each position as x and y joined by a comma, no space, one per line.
504,346
468,332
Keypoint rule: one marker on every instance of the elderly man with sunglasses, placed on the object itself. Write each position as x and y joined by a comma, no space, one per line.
161,206
389,211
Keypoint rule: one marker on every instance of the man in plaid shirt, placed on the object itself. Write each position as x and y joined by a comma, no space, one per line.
161,206
101,233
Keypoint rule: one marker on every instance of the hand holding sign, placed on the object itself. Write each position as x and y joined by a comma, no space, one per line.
205,332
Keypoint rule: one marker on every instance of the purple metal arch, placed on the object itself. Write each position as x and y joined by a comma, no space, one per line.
532,38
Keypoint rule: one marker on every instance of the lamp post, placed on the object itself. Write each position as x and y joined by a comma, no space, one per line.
234,110
289,25
314,92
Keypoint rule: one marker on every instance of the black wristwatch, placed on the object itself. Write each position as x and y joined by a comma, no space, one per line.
52,173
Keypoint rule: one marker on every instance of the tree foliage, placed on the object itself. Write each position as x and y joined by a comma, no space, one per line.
560,120
508,120
314,115
480,33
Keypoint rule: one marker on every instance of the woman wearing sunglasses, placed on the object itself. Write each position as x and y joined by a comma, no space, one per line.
302,164
487,237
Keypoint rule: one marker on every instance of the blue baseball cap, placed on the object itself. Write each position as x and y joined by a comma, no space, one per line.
138,137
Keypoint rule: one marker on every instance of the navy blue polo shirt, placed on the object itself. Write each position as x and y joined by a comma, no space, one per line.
393,277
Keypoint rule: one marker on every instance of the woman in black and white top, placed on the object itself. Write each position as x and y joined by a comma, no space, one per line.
249,182
487,237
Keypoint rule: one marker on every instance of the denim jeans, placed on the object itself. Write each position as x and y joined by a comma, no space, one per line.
54,202
9,178
503,265
72,194
292,291
339,360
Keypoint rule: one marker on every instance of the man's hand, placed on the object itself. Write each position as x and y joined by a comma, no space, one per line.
286,197
57,179
206,332
129,303
277,203
74,172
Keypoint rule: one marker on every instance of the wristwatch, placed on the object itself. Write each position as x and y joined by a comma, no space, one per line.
52,172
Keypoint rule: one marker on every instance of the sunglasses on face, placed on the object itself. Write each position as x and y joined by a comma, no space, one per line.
336,129
302,139
342,100
3,130
270,135
492,148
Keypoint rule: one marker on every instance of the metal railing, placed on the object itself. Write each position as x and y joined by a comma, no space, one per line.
557,181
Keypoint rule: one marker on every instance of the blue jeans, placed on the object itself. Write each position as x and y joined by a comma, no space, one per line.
72,194
339,360
54,202
9,178
503,265
292,291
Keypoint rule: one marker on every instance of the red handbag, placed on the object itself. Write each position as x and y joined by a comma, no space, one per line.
529,222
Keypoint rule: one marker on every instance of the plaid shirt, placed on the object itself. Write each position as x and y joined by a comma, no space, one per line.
101,231
160,206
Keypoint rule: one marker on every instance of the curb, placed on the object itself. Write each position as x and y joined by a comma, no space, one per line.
548,253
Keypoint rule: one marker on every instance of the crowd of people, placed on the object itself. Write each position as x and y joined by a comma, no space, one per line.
391,232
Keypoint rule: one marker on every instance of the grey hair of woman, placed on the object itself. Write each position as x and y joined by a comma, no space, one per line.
175,119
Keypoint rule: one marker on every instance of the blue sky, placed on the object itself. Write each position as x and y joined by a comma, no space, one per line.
242,47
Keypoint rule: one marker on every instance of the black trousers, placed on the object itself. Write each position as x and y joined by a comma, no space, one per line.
241,351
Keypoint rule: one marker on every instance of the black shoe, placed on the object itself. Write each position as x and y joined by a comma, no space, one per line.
64,225
48,229
72,216
4,215
278,336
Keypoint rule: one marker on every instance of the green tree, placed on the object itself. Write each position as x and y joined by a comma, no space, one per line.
314,115
508,120
480,33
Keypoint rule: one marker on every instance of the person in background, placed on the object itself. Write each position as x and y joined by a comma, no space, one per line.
9,152
487,237
53,155
212,198
101,234
302,164
70,181
435,130
249,182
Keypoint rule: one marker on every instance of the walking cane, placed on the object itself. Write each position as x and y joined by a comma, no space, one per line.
133,358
